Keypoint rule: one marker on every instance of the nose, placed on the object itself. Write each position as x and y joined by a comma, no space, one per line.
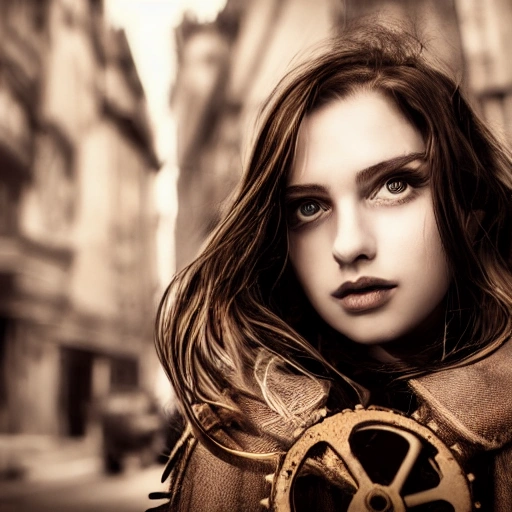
354,239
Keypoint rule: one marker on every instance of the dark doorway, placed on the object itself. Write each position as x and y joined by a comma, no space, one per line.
76,390
124,373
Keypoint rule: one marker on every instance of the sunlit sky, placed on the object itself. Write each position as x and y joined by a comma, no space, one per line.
148,25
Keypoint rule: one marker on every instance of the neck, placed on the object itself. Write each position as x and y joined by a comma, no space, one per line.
418,343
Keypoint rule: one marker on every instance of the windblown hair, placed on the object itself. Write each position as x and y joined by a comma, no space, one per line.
240,298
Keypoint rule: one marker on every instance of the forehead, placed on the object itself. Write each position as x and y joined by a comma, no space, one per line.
351,134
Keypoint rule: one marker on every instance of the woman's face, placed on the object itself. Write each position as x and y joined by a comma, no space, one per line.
364,242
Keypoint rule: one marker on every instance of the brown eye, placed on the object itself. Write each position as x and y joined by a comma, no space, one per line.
309,209
396,186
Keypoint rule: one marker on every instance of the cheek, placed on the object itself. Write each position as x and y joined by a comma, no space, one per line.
310,255
300,256
419,249
409,241
429,243
435,263
411,231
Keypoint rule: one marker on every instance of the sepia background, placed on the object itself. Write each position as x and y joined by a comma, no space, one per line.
124,127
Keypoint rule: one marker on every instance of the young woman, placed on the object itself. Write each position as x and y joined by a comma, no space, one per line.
341,343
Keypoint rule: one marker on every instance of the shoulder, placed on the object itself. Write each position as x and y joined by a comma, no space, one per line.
201,480
473,401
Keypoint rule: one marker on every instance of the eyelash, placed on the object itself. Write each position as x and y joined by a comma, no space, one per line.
413,179
294,206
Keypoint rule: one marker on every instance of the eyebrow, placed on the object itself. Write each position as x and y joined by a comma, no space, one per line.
366,175
305,189
363,177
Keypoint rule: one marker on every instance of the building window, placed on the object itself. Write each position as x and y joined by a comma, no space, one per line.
3,360
124,374
56,183
8,209
76,390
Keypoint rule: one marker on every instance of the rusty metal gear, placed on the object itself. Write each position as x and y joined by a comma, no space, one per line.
345,450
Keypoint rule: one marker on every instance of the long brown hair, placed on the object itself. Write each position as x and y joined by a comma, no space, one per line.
240,297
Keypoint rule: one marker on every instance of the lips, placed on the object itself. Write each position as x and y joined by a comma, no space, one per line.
365,294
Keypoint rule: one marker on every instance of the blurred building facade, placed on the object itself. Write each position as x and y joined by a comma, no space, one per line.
77,222
227,68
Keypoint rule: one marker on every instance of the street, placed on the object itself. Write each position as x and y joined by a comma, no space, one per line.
95,493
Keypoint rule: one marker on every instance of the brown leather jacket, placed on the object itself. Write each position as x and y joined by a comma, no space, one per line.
468,408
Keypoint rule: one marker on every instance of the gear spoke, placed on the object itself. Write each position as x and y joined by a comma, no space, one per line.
427,496
408,463
353,465
410,458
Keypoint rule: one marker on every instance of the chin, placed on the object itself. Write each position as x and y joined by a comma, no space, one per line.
366,337
371,341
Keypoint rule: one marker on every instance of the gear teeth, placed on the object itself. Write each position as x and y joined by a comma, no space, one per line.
359,407
416,415
297,432
270,477
346,410
456,448
265,503
470,477
432,425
